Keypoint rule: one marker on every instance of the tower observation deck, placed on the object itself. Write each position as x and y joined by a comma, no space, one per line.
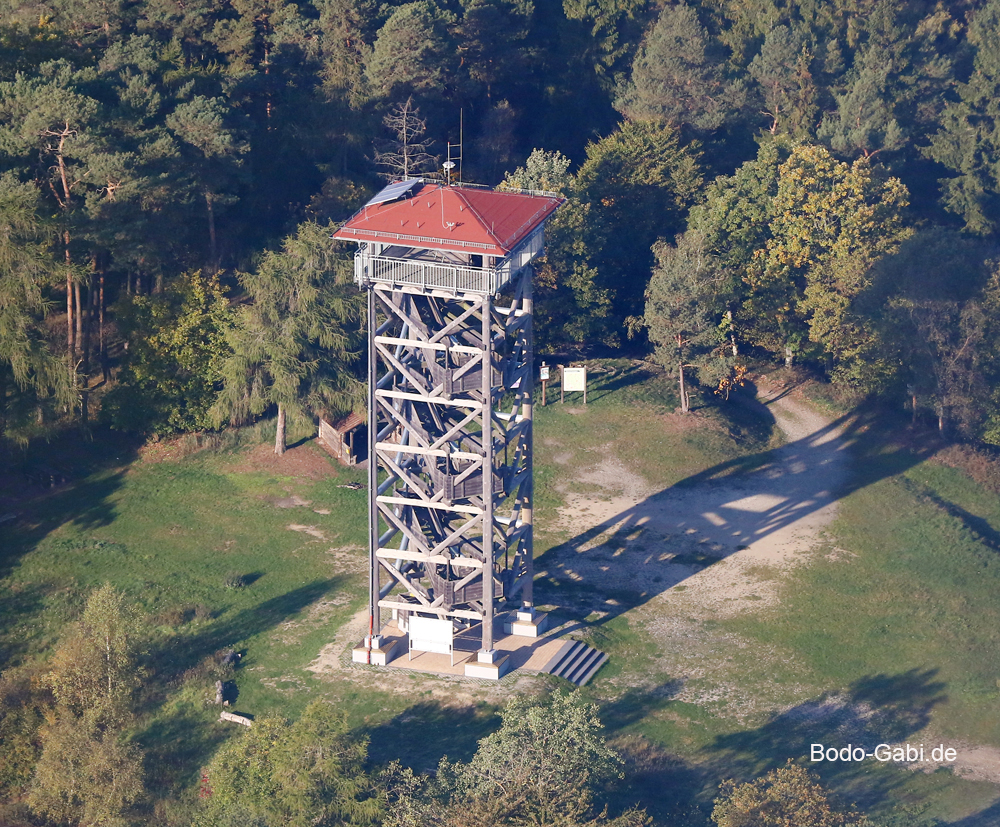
448,270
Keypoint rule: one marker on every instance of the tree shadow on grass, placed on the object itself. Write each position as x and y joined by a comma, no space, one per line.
18,601
989,817
88,473
977,526
184,652
177,744
69,475
875,709
636,705
610,380
86,504
427,731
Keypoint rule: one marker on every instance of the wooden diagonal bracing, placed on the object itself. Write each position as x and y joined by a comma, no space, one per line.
451,473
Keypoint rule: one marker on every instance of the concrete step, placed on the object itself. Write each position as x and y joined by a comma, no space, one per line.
576,662
584,678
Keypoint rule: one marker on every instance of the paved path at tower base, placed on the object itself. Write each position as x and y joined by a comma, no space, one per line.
514,653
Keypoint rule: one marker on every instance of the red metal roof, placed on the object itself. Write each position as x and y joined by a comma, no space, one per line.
458,219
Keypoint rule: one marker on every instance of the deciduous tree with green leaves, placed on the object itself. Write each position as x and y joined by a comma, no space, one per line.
177,342
545,171
797,233
96,664
310,773
637,185
542,767
831,222
786,797
89,772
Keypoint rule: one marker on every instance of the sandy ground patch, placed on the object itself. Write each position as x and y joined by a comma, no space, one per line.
311,530
635,538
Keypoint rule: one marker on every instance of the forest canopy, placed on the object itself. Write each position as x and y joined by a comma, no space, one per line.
832,166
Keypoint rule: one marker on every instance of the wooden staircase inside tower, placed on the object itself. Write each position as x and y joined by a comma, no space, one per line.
576,662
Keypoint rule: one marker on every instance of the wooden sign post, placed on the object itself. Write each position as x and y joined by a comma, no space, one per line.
543,374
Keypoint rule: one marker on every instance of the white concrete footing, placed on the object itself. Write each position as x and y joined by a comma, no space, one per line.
528,623
383,650
491,665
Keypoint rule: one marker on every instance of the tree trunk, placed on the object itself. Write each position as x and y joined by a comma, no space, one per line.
100,322
279,436
70,340
684,397
212,243
84,314
78,310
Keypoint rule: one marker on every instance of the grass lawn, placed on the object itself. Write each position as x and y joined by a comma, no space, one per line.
229,549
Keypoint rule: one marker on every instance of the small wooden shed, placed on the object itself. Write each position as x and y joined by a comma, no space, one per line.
344,438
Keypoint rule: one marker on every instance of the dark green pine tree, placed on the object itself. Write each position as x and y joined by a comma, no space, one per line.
491,41
212,151
273,55
864,122
610,31
968,142
678,76
29,372
414,53
784,83
678,305
53,131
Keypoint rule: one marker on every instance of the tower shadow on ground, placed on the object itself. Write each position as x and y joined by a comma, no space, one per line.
656,544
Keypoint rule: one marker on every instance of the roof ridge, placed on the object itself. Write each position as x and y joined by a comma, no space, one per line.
482,221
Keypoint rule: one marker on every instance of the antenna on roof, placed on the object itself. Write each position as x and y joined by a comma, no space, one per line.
458,148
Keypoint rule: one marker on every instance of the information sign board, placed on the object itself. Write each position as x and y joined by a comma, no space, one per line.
429,634
574,379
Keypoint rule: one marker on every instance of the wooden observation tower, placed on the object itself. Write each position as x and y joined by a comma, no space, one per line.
448,274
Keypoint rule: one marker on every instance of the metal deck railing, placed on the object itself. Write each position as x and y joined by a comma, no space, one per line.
429,275
455,278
